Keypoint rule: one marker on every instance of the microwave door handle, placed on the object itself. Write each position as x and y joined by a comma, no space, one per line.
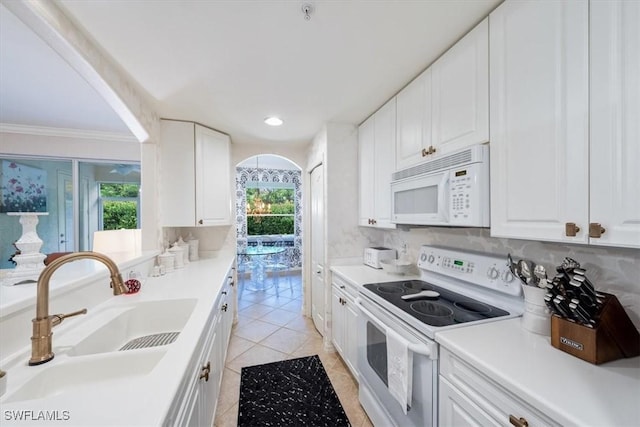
443,197
415,348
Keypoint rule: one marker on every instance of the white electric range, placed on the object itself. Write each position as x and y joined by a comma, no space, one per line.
455,289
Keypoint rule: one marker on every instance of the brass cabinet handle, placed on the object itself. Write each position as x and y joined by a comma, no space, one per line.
224,307
432,149
200,222
205,371
224,292
342,286
425,153
596,230
518,422
571,229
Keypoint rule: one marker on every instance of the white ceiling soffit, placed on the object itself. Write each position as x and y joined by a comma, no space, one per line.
229,64
39,89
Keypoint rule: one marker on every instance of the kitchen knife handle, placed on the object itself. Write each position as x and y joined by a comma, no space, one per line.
518,422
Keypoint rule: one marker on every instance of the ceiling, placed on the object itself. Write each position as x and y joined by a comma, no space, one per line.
229,64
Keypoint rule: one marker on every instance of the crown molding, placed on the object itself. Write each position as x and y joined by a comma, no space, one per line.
66,133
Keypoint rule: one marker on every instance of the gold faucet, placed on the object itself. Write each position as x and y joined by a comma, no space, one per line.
43,323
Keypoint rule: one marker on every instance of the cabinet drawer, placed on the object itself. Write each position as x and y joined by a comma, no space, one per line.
494,400
347,287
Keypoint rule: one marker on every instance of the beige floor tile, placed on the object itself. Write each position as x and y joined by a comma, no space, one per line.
276,301
255,311
285,340
255,331
279,317
229,390
237,346
256,355
229,418
294,306
302,324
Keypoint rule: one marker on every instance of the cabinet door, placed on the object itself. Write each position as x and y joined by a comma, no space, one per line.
366,155
212,163
338,321
413,131
385,145
461,93
456,410
351,336
539,119
177,189
615,116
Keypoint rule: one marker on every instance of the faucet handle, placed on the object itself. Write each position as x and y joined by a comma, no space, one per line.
56,319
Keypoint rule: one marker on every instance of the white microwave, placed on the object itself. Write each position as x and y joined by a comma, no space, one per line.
451,190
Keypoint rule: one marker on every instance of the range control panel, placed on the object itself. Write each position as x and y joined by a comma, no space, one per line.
481,269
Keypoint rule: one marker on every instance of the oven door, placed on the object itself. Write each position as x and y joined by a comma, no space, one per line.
381,407
421,199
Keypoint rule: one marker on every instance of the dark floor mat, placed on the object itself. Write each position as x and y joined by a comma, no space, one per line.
294,392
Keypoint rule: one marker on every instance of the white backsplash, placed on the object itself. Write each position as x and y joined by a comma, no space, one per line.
614,270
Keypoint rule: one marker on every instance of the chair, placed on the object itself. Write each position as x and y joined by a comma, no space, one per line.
245,264
278,264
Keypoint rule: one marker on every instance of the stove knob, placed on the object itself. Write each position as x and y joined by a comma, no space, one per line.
493,273
431,259
507,276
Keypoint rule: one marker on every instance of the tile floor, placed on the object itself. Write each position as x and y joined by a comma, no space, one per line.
270,328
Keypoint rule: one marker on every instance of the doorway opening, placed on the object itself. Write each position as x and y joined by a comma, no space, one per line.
269,223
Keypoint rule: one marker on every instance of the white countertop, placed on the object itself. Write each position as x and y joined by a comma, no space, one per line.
362,274
65,279
141,399
563,387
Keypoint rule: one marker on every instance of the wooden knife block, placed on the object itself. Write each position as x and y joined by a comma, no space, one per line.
613,337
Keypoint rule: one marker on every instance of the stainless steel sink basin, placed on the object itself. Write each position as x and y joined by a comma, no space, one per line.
140,321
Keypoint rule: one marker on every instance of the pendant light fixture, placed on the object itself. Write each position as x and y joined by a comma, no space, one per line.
259,206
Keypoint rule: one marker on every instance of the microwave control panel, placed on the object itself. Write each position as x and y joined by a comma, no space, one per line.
468,202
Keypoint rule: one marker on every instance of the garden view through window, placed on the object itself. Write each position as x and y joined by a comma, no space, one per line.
119,206
270,211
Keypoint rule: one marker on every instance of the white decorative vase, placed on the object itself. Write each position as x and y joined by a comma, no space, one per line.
30,262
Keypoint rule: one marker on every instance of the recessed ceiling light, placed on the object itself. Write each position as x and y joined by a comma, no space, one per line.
273,121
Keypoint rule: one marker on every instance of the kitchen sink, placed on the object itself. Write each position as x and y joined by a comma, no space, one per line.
89,373
137,324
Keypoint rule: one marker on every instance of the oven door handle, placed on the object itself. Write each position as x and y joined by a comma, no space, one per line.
429,350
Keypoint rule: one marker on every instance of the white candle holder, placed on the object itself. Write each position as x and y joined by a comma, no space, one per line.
30,262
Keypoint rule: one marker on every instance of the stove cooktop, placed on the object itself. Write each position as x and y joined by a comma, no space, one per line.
440,308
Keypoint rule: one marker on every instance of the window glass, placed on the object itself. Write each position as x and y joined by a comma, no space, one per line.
270,211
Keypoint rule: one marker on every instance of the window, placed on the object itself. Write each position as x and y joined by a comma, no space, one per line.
270,211
119,206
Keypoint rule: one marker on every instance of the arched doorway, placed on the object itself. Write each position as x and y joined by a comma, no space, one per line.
269,209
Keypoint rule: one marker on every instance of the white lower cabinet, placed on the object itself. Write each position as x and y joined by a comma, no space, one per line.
469,398
344,321
195,404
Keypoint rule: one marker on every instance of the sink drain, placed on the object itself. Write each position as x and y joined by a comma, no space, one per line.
154,340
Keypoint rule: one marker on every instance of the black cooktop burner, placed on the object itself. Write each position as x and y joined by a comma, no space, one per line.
448,309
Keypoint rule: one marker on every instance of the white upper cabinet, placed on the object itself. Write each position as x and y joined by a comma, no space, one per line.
195,175
376,148
460,93
413,125
565,104
615,122
446,108
539,119
366,155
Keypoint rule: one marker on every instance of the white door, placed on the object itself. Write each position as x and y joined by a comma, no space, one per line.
65,212
317,248
539,96
615,132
